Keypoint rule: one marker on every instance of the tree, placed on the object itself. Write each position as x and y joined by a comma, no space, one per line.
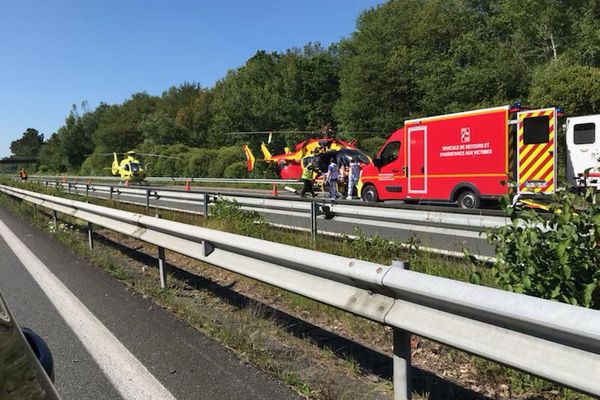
52,155
76,135
563,83
119,125
29,144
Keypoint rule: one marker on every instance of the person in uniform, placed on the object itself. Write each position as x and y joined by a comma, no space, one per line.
307,178
23,175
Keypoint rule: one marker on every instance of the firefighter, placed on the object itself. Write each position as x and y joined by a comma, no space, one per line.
23,175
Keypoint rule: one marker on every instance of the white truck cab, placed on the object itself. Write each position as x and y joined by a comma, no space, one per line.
583,151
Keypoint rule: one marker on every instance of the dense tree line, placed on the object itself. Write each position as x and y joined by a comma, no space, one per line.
406,58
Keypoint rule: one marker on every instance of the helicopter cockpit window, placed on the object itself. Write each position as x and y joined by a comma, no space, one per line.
126,167
135,167
348,154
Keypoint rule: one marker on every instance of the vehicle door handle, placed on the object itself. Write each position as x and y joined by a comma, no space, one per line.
395,170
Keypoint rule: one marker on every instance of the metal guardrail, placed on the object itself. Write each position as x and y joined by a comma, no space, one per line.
358,210
555,341
460,224
166,179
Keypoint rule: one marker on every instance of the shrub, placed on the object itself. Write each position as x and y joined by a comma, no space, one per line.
249,223
199,161
96,164
236,170
557,257
225,157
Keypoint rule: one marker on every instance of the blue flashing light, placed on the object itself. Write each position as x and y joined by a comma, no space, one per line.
516,107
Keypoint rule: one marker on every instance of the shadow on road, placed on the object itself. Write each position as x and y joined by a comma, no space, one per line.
425,383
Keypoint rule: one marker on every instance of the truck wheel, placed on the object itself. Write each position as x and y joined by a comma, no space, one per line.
369,194
468,199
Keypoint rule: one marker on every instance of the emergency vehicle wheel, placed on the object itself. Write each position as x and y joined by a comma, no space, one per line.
369,194
468,199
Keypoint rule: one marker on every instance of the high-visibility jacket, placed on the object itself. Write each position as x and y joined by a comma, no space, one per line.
307,173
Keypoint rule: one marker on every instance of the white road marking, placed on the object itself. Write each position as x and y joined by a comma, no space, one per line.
128,375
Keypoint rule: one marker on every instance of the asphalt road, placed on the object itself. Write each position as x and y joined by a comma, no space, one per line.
174,356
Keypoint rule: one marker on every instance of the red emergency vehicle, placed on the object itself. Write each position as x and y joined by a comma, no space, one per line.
466,157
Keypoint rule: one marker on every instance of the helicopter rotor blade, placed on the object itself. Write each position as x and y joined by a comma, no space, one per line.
362,133
268,132
101,154
156,155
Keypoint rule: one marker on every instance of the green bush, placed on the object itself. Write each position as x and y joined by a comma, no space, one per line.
226,156
557,257
96,164
199,161
249,223
236,170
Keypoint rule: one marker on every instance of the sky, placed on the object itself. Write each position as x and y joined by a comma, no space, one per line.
54,54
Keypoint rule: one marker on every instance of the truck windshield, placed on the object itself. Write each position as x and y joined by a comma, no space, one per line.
389,153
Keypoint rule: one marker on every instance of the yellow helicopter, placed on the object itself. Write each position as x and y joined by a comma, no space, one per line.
130,168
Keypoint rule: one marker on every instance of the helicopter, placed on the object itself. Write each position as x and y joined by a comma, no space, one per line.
130,168
320,150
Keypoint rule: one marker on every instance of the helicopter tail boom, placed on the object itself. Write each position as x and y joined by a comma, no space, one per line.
265,152
249,157
115,165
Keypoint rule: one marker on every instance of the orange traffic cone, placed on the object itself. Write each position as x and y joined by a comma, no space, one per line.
89,182
274,191
187,185
127,183
64,179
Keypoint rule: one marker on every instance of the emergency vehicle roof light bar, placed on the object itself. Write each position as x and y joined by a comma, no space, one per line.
516,107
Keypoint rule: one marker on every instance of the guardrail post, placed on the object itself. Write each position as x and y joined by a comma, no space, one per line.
162,268
87,190
90,236
314,209
147,199
55,218
205,201
69,187
111,192
402,356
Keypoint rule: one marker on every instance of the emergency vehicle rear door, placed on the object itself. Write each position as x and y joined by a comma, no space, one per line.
417,159
536,150
583,147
